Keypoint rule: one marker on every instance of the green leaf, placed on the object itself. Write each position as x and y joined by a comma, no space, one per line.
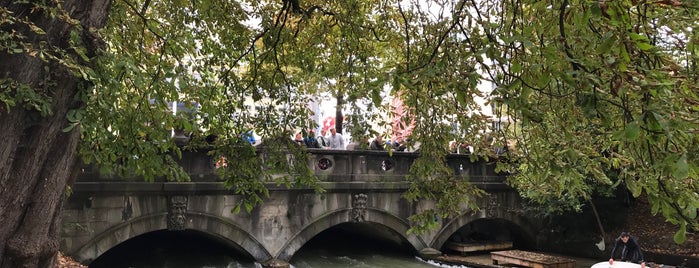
691,211
624,58
69,128
634,187
36,29
543,80
606,45
680,170
644,46
516,67
632,131
249,206
681,234
639,37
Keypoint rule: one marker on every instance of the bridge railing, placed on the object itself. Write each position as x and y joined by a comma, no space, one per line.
335,166
370,166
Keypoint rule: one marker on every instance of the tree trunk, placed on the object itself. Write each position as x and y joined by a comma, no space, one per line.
339,117
36,156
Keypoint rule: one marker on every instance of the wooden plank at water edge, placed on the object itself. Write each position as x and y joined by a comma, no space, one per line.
531,259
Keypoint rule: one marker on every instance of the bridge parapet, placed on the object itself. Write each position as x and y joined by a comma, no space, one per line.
334,166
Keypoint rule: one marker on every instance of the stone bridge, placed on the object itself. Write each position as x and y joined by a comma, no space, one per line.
362,187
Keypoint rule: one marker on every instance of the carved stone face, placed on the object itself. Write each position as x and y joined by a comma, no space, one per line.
359,207
176,216
178,209
361,203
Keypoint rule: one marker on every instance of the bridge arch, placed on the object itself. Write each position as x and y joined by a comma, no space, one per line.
206,223
523,226
393,223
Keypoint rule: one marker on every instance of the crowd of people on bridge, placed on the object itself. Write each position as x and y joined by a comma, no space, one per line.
331,139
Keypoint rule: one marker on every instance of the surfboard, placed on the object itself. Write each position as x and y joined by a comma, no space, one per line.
617,264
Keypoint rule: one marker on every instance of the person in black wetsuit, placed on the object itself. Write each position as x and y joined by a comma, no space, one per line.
630,250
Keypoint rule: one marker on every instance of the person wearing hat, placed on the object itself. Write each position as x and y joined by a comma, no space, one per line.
630,250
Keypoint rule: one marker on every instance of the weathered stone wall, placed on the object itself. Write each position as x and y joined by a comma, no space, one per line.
361,187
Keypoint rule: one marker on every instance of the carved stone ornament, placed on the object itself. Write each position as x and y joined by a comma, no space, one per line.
127,211
492,206
359,207
176,214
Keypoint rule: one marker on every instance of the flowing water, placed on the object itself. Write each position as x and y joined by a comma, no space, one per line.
342,246
192,250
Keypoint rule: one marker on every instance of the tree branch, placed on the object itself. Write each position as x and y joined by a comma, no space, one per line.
566,46
457,19
407,37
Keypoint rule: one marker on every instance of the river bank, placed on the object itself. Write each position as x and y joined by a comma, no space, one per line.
655,236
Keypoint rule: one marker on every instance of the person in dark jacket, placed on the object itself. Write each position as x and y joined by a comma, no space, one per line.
630,250
377,144
311,141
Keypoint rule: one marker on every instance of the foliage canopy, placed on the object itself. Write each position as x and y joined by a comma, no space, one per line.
595,94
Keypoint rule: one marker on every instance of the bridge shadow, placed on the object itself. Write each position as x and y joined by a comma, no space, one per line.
491,230
350,242
383,225
164,248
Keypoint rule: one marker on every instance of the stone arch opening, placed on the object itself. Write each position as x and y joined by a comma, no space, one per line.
209,225
186,248
381,224
497,233
352,242
515,223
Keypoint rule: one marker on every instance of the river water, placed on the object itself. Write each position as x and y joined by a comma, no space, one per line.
191,250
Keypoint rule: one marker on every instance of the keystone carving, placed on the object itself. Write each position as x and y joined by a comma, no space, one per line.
176,214
492,206
359,207
127,211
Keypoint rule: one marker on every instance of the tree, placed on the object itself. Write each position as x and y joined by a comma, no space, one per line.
599,94
45,51
604,94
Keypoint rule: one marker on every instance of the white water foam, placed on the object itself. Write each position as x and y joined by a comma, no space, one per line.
434,263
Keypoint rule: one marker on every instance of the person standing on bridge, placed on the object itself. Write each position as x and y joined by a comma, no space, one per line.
335,140
311,141
630,250
377,144
322,140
